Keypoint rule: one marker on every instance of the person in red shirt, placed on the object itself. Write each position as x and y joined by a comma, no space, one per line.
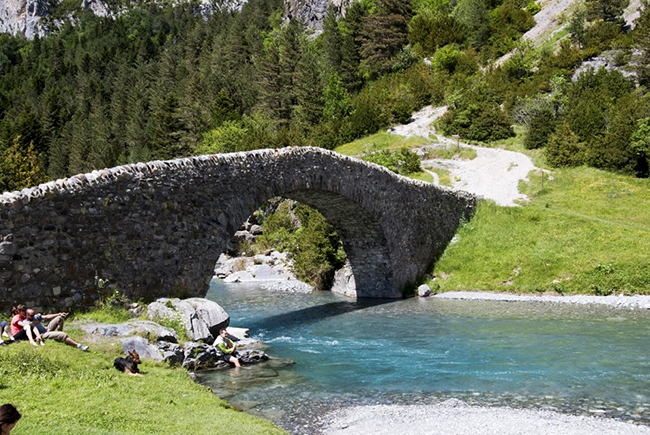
20,329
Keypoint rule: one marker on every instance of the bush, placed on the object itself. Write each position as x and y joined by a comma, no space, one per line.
435,29
533,8
564,148
231,136
404,161
541,125
447,58
481,122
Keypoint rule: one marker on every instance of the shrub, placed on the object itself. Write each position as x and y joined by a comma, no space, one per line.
435,29
404,161
230,136
533,8
447,58
541,124
564,148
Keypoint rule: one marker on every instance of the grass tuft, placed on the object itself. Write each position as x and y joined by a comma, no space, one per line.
452,152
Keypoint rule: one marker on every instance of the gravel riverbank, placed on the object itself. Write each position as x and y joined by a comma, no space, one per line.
454,417
632,302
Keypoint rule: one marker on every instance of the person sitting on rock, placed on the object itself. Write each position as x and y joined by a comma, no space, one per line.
54,328
228,347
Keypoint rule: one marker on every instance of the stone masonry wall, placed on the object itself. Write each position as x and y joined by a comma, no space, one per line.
156,229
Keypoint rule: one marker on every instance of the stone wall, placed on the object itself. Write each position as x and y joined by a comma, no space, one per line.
156,229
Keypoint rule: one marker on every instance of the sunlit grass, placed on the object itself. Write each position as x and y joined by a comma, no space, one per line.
422,176
588,231
444,176
452,152
105,314
380,141
61,390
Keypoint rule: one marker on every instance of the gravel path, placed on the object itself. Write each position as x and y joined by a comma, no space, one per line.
494,173
454,417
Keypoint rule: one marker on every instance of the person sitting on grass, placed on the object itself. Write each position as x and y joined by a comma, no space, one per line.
20,328
54,328
4,327
228,347
9,416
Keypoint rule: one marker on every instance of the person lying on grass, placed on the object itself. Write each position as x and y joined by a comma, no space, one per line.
54,329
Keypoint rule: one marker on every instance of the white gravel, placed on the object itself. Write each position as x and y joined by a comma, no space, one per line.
494,173
454,417
642,302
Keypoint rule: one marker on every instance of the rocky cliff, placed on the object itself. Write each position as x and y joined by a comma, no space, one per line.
312,12
24,16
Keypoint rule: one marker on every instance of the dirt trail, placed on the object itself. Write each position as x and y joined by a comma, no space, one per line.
494,173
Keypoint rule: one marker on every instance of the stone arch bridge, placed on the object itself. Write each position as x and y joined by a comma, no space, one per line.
157,229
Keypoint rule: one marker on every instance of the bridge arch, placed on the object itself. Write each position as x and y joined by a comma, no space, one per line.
156,229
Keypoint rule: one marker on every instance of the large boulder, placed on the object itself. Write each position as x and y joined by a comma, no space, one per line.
141,345
201,318
202,356
252,356
344,283
172,353
147,329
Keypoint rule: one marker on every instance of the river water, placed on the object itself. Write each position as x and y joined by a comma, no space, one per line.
329,351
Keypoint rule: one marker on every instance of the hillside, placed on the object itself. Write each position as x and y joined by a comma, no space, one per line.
163,80
25,16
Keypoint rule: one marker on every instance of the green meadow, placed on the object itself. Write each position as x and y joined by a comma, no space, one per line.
62,390
587,231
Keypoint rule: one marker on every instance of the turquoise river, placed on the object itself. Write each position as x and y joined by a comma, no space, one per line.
329,351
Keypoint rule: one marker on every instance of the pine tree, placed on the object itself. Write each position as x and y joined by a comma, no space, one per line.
606,10
309,88
99,152
30,130
351,47
268,80
332,40
473,14
564,148
20,167
290,53
383,34
577,28
136,127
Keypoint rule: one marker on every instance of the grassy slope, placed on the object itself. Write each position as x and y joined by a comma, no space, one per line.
61,390
588,231
588,228
382,141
